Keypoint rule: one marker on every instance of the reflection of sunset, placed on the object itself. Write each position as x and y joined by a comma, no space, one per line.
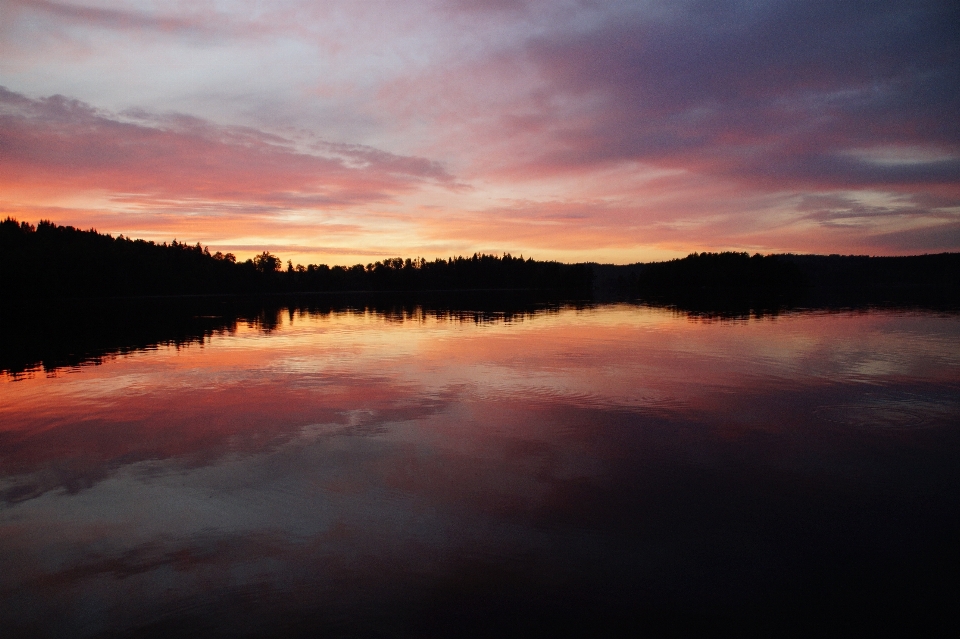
463,453
250,389
331,459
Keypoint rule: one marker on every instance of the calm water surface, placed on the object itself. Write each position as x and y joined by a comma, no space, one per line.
586,470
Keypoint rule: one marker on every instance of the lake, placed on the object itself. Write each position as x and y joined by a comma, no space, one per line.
565,469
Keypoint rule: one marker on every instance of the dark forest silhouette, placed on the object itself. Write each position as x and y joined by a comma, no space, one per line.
738,282
48,261
69,293
62,261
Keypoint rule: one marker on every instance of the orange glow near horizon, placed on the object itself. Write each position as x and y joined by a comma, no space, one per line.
327,133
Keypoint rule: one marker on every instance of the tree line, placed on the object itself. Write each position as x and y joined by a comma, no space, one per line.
51,261
48,260
737,282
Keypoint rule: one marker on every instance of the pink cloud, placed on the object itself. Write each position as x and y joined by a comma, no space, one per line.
116,18
60,145
552,116
773,96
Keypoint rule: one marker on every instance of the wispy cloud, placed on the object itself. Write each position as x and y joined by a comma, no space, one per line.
62,144
615,129
768,92
118,18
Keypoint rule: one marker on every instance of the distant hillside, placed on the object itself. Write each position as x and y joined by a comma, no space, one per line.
719,280
844,274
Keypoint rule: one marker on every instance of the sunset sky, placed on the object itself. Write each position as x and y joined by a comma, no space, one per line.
614,131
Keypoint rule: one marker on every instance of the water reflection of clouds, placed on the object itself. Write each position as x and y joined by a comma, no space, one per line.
628,358
346,449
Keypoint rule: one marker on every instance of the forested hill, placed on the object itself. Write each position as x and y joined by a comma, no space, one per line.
732,271
738,279
50,261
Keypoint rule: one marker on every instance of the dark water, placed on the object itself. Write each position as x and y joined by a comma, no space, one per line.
587,472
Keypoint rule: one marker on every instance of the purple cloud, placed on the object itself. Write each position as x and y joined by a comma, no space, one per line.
778,91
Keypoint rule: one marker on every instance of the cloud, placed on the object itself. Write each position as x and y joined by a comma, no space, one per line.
928,239
422,123
489,5
774,92
63,145
115,18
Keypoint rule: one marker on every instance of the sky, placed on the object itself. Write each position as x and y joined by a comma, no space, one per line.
619,131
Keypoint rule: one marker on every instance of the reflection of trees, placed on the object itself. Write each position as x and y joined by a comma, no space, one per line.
54,334
50,335
57,334
268,320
